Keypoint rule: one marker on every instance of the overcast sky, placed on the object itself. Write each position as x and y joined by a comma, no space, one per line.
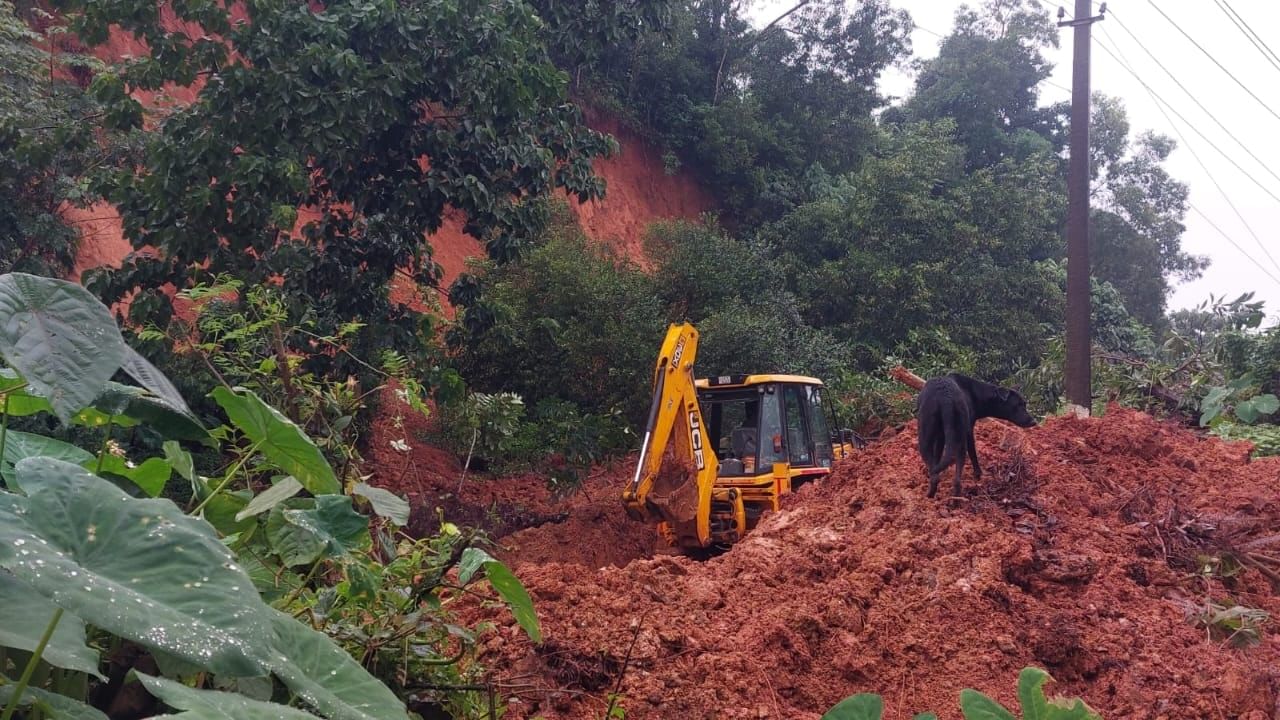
1232,271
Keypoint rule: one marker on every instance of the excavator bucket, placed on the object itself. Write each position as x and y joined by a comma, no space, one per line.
676,473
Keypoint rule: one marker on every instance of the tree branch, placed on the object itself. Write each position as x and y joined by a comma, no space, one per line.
715,95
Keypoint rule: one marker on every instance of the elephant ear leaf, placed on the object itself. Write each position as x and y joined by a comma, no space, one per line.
60,338
137,568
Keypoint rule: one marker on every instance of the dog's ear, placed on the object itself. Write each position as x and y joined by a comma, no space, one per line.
1003,394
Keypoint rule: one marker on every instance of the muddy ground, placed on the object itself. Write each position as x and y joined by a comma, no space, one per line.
1081,550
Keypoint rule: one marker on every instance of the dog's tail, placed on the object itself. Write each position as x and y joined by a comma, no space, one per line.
952,432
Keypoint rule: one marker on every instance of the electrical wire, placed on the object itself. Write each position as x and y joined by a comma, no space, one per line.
1233,242
1125,64
1160,100
1160,104
1189,94
1249,32
1213,59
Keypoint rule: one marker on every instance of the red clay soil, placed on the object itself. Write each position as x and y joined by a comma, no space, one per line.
529,522
1074,553
639,191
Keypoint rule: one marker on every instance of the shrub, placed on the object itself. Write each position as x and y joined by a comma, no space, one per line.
976,706
211,592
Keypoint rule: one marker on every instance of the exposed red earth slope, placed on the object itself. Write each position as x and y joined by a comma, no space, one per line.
1075,553
640,192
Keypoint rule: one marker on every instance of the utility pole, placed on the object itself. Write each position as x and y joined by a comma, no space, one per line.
1079,385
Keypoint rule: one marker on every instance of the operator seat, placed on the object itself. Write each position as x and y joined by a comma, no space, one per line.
744,442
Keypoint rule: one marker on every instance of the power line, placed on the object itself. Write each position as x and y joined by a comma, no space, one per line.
1125,64
1233,242
1249,32
1212,58
1191,95
1196,130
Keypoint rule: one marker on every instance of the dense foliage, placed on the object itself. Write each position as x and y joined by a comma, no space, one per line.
325,143
254,596
49,139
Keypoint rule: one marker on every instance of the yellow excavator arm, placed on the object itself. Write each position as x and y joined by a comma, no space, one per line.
676,473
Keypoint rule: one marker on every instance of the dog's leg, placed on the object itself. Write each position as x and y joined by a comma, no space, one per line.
955,484
973,455
954,450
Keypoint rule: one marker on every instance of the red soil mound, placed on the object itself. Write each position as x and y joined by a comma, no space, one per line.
531,524
1076,553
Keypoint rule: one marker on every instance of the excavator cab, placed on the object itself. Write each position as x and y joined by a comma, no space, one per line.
720,452
755,421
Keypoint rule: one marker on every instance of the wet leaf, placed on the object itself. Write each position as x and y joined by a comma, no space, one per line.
21,445
214,704
326,677
152,475
137,568
472,560
24,615
269,498
59,337
150,377
55,706
517,598
329,526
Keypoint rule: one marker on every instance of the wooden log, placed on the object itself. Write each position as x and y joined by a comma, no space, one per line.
906,377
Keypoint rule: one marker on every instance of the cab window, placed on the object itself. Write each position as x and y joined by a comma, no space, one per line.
818,426
799,448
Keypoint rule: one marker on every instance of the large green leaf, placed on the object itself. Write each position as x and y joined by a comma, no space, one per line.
279,439
215,705
326,677
150,377
20,445
21,401
55,706
136,405
508,587
1035,706
517,598
863,706
273,581
326,525
60,338
137,568
271,497
152,475
180,460
977,706
471,561
24,615
385,503
1250,410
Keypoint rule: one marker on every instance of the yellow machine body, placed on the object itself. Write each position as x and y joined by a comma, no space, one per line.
719,452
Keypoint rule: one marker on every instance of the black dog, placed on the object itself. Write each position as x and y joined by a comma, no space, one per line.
947,410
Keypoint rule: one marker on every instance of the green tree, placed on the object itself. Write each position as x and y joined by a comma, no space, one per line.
747,319
49,139
376,117
914,241
986,78
569,321
1138,224
755,110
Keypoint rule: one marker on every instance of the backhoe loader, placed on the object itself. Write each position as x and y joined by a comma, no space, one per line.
719,452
